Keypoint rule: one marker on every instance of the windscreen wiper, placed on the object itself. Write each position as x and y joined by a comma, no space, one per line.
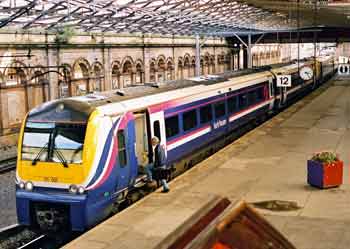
61,158
36,159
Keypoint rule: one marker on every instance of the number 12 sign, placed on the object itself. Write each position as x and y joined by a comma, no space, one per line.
284,80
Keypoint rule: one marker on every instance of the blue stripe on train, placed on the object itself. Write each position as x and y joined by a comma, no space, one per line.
104,156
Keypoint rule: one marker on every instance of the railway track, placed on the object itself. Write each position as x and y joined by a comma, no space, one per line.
8,165
21,237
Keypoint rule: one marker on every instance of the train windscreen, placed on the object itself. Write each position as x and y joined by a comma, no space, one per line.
53,142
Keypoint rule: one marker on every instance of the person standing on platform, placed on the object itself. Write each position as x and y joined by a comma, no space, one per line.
159,162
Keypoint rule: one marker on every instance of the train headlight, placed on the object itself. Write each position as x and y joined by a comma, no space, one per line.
81,190
73,189
21,185
29,186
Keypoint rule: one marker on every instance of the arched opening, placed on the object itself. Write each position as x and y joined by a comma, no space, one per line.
16,95
116,76
212,64
161,70
187,68
15,76
64,81
81,76
170,70
221,63
193,67
206,64
98,76
127,74
139,73
152,71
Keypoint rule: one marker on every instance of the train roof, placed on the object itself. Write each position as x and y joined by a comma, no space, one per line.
117,101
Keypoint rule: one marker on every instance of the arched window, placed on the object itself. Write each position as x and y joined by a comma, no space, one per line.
152,72
161,70
187,67
116,76
127,74
64,81
170,70
139,73
193,67
81,75
15,76
98,76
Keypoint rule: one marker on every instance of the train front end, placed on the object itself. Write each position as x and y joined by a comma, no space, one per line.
53,165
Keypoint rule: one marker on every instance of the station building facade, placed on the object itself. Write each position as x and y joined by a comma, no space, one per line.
37,67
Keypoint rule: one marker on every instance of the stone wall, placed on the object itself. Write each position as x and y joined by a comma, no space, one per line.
90,63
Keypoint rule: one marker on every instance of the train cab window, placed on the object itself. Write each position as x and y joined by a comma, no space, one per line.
156,129
232,104
121,149
206,114
243,101
189,120
220,110
172,126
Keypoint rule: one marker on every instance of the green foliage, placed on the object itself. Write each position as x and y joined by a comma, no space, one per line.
64,34
325,157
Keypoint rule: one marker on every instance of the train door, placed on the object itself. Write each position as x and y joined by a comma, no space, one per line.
142,138
158,127
127,170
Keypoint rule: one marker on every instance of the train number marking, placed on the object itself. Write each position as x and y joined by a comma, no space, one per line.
284,80
50,179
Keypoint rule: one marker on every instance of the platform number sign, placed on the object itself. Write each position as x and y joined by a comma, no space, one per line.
284,80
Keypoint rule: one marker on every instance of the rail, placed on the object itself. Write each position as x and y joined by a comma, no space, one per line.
8,165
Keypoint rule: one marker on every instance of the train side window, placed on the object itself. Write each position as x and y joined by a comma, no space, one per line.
220,109
206,114
260,94
232,104
172,126
121,148
189,120
251,97
243,101
156,129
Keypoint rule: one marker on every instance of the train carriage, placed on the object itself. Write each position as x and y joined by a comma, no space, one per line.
78,158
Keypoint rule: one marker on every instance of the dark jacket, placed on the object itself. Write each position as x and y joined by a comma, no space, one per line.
159,157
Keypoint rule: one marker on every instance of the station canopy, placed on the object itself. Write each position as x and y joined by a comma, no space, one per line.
178,17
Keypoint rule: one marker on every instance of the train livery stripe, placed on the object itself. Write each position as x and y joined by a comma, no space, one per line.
245,112
105,163
112,150
188,137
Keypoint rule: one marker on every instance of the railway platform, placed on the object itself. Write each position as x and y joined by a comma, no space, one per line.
266,164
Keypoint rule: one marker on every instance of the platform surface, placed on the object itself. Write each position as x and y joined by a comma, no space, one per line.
268,163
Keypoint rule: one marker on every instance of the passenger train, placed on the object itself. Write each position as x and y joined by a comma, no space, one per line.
79,157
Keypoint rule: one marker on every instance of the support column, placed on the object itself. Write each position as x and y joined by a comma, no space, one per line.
106,60
198,56
146,61
245,58
249,51
52,61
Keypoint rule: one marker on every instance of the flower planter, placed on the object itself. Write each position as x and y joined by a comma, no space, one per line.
324,175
